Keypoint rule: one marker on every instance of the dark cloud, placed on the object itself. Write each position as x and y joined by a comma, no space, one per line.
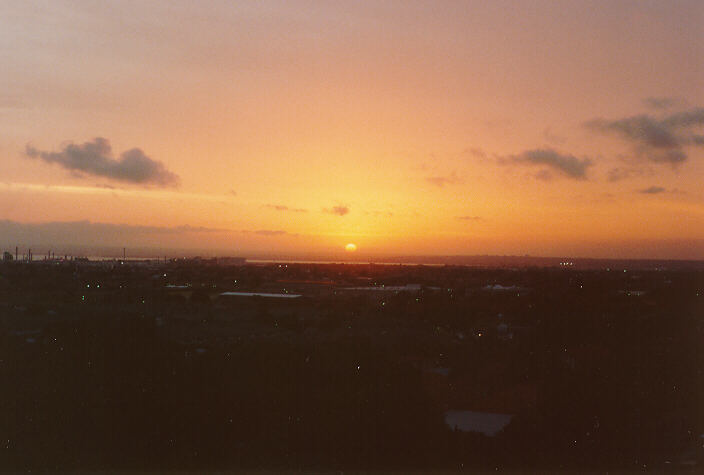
657,140
95,158
690,118
338,210
285,208
564,164
642,129
469,218
652,190
660,103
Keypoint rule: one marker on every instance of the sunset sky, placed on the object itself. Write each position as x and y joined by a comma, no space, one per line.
440,127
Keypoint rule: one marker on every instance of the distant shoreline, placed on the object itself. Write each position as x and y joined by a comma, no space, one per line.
434,261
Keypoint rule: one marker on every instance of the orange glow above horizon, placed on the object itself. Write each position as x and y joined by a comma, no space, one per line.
393,128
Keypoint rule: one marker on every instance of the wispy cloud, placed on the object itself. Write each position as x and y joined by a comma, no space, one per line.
564,164
652,190
187,228
658,140
87,232
476,152
270,232
469,218
441,181
553,138
285,208
661,103
388,214
95,158
621,173
110,190
339,210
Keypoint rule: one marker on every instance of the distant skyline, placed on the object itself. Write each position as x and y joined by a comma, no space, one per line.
403,127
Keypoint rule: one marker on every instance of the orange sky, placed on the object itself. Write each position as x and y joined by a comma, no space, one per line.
438,127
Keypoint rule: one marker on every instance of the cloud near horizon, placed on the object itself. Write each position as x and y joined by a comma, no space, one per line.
95,158
565,164
656,140
86,237
270,232
53,233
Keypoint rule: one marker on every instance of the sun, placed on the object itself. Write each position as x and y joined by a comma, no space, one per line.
351,247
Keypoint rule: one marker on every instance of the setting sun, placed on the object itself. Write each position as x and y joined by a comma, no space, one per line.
351,247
